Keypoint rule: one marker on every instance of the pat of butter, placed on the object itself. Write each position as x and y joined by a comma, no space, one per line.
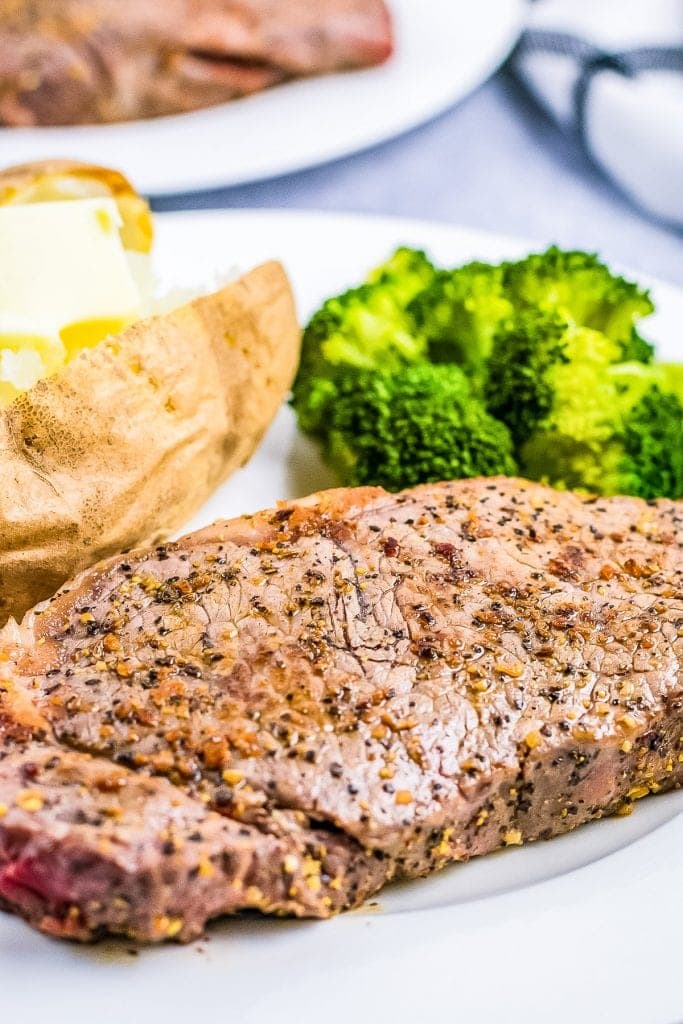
65,283
63,262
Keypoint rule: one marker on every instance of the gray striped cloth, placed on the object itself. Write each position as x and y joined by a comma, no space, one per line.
611,73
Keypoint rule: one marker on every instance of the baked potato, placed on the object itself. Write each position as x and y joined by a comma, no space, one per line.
125,442
114,432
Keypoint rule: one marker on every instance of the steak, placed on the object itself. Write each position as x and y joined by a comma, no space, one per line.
285,711
79,61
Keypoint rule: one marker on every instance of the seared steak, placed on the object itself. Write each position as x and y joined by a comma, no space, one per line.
75,61
285,711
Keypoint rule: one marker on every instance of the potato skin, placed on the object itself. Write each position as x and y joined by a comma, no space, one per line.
125,443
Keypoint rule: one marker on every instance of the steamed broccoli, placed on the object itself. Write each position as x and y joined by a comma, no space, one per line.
422,373
458,314
459,311
581,419
364,328
583,291
538,356
405,273
671,378
397,428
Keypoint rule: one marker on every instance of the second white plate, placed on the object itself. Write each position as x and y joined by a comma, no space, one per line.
445,48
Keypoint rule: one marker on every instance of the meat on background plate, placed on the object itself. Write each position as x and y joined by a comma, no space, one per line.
80,61
285,711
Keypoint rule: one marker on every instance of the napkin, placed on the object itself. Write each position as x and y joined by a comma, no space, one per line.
611,73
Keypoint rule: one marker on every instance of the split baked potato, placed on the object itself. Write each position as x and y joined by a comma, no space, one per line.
123,443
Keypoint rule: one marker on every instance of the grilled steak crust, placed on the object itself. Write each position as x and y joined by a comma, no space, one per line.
287,710
81,61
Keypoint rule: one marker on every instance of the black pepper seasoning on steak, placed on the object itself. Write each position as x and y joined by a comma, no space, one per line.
286,711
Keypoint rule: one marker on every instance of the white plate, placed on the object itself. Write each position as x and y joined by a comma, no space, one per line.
586,927
445,48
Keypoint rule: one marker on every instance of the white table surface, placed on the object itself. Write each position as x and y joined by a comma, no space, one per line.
494,162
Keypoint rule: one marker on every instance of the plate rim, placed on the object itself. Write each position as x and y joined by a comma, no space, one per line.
403,223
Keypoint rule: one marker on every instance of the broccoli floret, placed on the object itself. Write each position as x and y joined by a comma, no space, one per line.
671,378
395,375
405,273
583,291
652,462
541,368
636,448
458,314
398,428
461,310
364,328
581,420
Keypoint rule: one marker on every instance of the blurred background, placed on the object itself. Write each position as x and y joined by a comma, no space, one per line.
503,159
549,120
